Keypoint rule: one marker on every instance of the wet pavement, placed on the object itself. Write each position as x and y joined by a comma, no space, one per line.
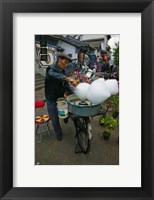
53,152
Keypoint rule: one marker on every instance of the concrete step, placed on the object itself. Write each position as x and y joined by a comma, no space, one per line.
39,82
39,78
38,75
39,87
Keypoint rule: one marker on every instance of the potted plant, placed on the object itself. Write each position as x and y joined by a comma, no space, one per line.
109,123
106,134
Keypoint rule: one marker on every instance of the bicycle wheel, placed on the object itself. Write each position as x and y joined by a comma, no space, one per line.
82,136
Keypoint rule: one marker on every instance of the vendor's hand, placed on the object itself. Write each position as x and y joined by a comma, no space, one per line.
65,95
72,81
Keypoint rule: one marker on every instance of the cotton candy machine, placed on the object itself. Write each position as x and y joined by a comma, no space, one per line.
82,108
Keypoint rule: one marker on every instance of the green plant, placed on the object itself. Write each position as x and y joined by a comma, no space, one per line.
116,54
113,102
109,123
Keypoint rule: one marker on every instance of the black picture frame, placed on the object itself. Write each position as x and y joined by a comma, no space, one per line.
7,8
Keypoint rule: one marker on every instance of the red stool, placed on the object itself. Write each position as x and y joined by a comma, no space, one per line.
41,119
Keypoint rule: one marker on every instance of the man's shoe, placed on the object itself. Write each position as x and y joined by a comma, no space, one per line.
59,137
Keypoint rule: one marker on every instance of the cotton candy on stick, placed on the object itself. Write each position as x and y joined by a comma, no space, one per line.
81,90
112,85
98,92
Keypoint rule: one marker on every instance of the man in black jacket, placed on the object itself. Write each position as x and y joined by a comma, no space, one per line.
56,84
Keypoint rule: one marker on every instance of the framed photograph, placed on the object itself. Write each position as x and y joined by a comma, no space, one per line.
83,111
25,26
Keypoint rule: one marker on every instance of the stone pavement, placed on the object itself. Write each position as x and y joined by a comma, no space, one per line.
53,152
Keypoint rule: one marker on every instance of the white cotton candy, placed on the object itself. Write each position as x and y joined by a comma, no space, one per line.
98,92
81,90
100,80
112,85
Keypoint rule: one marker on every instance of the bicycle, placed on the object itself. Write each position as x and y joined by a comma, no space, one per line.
84,132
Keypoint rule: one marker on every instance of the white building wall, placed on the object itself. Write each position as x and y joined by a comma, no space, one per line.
68,49
92,36
103,46
105,40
